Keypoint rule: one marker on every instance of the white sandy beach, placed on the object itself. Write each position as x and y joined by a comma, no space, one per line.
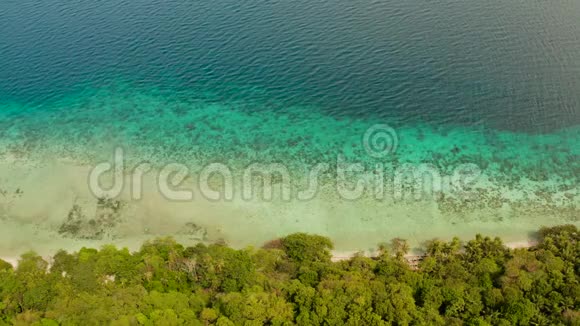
341,255
38,199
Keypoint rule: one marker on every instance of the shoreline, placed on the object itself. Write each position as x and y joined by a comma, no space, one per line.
412,258
40,202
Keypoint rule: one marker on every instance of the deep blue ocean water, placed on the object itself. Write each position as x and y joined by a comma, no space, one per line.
494,83
511,65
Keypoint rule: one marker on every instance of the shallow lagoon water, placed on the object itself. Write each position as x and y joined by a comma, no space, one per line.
495,85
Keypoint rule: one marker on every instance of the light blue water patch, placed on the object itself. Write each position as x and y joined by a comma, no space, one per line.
196,129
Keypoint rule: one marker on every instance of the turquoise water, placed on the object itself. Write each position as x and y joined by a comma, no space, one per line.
492,84
197,129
